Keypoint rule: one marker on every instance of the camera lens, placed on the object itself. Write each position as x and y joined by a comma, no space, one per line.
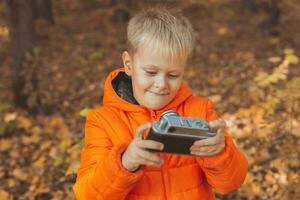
171,130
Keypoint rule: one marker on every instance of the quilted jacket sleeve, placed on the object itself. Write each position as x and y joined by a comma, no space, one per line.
227,170
101,175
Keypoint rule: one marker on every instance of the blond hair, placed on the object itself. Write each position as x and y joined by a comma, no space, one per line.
156,29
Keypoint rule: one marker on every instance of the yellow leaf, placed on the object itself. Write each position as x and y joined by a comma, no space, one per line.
274,59
272,78
4,195
288,51
84,112
292,58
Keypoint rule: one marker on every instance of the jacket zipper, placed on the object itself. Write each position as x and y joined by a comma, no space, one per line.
154,116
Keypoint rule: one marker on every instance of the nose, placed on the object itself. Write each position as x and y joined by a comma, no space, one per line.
160,82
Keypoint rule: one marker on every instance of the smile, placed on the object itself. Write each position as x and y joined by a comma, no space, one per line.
162,94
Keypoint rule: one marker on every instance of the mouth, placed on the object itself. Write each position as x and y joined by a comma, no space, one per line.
159,94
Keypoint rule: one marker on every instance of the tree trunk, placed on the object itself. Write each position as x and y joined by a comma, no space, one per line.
43,9
22,43
274,11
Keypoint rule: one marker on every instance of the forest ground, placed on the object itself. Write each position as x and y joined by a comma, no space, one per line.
247,67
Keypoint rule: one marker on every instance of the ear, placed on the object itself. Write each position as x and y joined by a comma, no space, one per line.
127,62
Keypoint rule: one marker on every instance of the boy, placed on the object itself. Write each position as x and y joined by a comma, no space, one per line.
116,162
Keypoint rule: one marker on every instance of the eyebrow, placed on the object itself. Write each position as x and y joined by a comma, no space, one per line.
152,66
156,67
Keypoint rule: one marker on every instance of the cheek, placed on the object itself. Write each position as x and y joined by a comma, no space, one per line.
142,83
175,85
145,81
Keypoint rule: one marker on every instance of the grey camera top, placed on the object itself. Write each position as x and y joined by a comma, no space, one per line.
171,122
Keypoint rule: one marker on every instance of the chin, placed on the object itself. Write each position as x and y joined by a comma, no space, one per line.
154,106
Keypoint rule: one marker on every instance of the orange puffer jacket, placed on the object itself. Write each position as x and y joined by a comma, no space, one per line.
111,127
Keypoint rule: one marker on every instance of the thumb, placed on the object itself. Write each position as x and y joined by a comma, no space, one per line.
140,130
219,123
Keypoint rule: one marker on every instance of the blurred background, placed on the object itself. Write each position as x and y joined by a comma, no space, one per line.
55,54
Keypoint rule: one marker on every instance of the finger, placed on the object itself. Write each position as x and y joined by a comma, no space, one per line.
219,123
211,141
140,130
219,143
203,154
221,132
150,144
204,149
150,163
207,151
213,153
149,156
208,142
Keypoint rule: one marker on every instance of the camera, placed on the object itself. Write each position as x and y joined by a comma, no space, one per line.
179,133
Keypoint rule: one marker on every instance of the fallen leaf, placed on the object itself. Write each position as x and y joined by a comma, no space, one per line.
24,122
73,167
215,98
36,130
32,139
10,117
45,145
5,144
20,174
10,182
292,58
222,31
274,59
58,127
40,162
84,112
283,179
5,195
288,51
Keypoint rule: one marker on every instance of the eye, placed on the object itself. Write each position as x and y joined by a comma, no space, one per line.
173,76
151,73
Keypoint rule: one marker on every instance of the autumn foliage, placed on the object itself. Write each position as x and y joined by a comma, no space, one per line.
249,68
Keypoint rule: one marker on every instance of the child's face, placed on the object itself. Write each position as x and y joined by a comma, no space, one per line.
155,78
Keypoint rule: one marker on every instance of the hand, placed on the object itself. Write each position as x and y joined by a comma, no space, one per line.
137,153
211,146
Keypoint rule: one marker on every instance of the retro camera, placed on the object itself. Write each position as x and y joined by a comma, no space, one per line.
179,133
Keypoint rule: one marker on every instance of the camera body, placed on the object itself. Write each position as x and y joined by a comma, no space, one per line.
179,133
